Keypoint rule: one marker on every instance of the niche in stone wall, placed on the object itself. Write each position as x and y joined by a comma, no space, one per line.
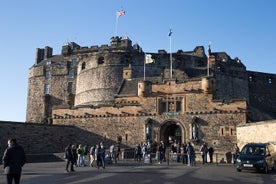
227,131
101,60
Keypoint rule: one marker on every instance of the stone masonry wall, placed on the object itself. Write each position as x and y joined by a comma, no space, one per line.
40,138
256,132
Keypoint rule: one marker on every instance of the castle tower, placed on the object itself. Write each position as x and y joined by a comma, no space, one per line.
208,84
101,73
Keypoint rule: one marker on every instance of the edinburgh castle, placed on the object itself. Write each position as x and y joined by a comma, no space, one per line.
110,91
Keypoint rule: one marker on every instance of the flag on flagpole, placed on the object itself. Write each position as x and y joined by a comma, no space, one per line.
170,33
148,59
121,12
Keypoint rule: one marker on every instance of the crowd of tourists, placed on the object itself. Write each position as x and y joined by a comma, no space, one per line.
184,153
98,156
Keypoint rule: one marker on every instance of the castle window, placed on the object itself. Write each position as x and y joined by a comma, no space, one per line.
70,87
61,64
46,89
73,63
47,75
71,73
251,78
101,60
48,63
269,81
83,65
169,105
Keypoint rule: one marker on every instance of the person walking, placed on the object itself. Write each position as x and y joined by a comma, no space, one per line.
92,155
13,159
211,152
75,154
138,152
80,152
203,152
191,154
70,158
160,151
102,154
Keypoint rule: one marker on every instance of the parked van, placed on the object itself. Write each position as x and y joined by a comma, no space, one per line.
256,156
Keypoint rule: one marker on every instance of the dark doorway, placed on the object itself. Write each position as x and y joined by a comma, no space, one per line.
171,133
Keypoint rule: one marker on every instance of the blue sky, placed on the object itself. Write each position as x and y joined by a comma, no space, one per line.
242,28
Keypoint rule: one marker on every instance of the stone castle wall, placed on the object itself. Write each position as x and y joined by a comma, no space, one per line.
40,138
262,90
257,132
220,131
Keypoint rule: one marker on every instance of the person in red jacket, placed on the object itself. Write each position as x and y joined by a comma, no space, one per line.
14,159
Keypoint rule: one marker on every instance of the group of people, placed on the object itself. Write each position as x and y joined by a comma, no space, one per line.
185,153
76,155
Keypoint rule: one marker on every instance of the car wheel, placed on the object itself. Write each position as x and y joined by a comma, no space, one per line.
239,170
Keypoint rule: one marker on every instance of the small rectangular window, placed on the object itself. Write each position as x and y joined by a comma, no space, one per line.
47,89
70,87
74,62
47,75
71,73
48,63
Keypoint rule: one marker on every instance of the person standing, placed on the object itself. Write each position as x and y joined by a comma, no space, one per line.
203,152
92,155
138,152
80,152
70,158
191,154
102,154
14,159
235,152
211,152
75,154
160,151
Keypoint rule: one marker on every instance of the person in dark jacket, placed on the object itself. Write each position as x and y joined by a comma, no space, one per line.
70,158
14,159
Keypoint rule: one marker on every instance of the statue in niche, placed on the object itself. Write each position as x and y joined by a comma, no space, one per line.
195,131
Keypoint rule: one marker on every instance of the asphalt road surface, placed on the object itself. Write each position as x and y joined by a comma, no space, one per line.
54,173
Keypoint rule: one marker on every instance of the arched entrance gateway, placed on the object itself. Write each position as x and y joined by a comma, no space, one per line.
172,132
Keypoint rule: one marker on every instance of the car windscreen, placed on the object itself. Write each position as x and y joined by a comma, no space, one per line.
253,150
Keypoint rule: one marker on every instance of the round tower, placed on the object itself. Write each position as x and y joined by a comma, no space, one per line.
98,78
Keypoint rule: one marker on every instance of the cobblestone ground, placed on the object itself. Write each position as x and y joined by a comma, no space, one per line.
133,173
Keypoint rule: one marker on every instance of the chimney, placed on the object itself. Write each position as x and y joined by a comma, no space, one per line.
48,52
39,55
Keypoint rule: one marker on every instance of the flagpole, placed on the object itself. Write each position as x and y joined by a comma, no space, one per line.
116,23
208,59
208,65
170,35
145,67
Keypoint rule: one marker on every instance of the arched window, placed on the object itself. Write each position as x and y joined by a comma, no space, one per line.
83,65
100,60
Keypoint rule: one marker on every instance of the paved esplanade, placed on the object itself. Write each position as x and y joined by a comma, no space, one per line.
54,173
